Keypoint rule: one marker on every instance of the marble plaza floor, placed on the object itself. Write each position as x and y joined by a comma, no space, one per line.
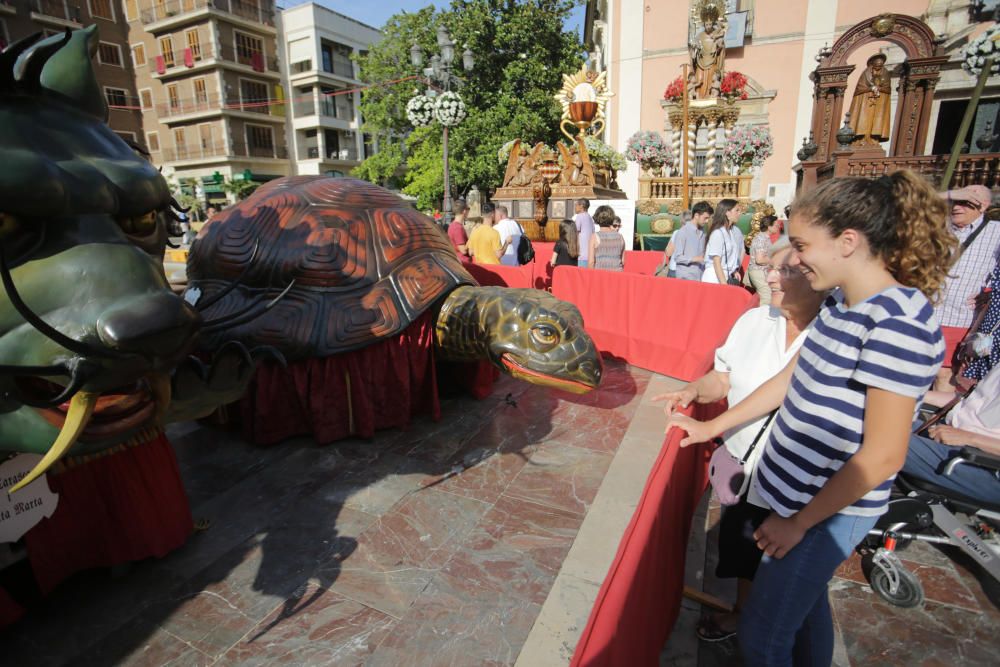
451,543
481,539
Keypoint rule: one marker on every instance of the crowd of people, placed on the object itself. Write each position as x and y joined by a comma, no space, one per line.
824,382
585,241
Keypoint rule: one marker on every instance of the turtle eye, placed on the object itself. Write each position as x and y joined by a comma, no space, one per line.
545,336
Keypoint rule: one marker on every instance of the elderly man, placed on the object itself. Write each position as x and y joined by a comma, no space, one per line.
979,240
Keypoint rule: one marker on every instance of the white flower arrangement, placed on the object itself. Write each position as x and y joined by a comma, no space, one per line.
450,109
420,110
982,47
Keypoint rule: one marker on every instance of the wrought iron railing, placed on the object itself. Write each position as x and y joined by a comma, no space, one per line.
57,9
176,153
257,12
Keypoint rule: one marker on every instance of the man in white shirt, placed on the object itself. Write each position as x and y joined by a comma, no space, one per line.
584,230
974,421
510,236
976,259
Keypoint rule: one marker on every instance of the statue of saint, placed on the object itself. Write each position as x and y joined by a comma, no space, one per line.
870,104
708,55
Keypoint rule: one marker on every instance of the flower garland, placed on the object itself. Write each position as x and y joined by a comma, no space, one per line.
733,86
503,155
748,144
603,154
420,110
978,50
675,91
648,149
450,109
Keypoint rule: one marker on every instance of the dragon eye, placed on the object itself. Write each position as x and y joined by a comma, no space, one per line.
545,335
140,225
9,224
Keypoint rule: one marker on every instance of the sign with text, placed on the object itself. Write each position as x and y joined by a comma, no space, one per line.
20,511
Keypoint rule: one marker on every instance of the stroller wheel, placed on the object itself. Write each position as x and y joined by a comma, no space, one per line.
909,592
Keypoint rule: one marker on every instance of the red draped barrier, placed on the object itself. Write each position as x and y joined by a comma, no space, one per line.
543,252
661,324
501,275
380,386
10,610
122,507
642,261
640,598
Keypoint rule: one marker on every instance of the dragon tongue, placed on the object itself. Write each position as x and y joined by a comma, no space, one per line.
80,409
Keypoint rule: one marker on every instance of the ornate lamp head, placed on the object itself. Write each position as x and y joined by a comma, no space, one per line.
846,134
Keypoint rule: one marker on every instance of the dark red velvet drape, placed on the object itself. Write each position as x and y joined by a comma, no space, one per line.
357,393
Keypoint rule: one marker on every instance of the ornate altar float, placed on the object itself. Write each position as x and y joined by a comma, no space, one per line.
93,343
541,183
872,141
702,110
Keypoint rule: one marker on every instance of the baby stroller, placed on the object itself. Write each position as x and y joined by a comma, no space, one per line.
927,512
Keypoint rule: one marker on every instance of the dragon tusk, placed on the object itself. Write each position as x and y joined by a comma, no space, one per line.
81,406
159,385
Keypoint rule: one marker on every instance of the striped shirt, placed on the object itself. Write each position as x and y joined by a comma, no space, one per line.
892,342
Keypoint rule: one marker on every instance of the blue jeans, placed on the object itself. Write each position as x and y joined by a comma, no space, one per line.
926,459
787,619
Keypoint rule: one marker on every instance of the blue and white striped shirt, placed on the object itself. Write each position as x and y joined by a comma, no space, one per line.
893,342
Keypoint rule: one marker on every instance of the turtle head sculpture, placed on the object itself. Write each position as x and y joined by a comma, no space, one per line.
357,264
90,332
527,333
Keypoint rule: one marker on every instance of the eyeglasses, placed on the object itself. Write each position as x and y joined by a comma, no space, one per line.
783,271
615,226
965,204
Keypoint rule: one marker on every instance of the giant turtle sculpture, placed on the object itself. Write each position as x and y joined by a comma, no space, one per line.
356,264
93,343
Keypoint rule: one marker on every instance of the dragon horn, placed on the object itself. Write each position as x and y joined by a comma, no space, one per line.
81,406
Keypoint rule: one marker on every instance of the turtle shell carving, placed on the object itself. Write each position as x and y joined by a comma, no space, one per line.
364,263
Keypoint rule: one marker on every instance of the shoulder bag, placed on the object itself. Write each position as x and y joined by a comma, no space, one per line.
726,472
525,251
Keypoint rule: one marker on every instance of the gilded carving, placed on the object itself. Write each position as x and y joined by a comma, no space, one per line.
882,25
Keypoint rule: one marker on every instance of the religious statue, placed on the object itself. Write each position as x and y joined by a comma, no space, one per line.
522,166
870,104
708,54
576,167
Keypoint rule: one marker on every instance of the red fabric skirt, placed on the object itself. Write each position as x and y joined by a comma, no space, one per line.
356,393
118,508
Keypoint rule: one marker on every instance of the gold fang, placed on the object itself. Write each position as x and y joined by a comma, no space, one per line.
81,406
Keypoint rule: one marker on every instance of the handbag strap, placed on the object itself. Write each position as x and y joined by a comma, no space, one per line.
975,232
760,434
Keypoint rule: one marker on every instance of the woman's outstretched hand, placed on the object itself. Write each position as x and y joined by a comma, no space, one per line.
696,431
675,399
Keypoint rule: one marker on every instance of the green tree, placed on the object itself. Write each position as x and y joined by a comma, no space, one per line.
239,188
521,52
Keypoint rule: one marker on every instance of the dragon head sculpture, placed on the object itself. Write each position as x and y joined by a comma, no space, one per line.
92,340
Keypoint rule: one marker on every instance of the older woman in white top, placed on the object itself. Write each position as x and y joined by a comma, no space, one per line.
760,344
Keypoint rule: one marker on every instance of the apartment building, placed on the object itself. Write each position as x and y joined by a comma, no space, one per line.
324,134
112,65
209,86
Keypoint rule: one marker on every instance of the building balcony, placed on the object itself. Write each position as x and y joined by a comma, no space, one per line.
192,60
972,169
56,12
197,108
263,152
185,153
163,16
7,7
220,151
670,190
341,155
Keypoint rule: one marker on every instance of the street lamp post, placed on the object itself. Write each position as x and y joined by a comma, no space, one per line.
440,72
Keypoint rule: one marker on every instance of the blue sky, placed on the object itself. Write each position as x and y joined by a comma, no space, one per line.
376,12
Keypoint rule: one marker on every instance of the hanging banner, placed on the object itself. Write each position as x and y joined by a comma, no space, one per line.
20,511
